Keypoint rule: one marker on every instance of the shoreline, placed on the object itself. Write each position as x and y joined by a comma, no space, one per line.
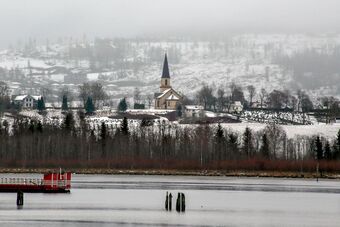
164,172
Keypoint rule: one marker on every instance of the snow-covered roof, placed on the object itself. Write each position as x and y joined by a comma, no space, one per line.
164,92
172,97
237,103
21,97
36,97
193,107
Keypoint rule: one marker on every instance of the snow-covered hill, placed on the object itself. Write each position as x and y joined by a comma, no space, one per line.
243,59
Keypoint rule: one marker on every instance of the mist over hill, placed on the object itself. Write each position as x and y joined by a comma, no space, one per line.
42,19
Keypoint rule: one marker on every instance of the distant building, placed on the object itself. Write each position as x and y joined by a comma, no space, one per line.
167,98
27,101
236,107
258,105
75,78
193,111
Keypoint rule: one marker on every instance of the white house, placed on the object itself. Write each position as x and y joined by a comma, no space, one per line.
193,111
236,107
27,101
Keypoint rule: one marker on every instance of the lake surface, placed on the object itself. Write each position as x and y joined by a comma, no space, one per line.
121,200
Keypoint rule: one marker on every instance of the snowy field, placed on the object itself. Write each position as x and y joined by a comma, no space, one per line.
55,117
329,131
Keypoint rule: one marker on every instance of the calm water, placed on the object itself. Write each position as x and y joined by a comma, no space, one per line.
103,200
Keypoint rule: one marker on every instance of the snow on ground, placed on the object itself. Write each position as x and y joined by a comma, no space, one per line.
328,131
243,59
56,117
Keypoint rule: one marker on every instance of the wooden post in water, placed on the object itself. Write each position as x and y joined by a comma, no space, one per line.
178,209
183,202
317,172
20,198
170,202
180,203
167,201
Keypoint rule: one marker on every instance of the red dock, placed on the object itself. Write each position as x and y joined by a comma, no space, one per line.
52,182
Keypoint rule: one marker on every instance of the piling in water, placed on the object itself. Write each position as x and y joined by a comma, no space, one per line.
183,202
180,203
167,201
170,202
20,198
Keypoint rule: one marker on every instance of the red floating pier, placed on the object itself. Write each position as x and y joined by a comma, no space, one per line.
52,182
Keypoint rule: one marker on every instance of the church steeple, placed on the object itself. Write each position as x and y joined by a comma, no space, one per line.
165,80
165,73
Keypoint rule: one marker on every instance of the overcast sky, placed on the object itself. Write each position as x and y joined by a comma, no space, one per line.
20,19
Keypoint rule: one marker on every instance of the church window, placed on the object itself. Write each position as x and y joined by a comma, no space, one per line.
166,82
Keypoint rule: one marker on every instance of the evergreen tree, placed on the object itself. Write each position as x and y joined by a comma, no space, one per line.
248,146
69,123
124,127
318,148
264,147
64,106
179,110
89,107
232,142
122,106
103,131
31,126
41,104
219,137
39,127
337,147
328,152
219,132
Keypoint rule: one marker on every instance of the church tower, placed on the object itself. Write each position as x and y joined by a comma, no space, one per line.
165,80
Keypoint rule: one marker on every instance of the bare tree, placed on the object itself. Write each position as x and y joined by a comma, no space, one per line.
84,92
331,105
136,96
4,89
236,93
65,91
263,96
98,94
93,90
4,97
149,98
221,99
252,92
276,136
205,97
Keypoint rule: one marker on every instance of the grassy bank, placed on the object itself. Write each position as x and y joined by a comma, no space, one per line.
240,173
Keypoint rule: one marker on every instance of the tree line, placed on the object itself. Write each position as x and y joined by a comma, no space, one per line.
76,143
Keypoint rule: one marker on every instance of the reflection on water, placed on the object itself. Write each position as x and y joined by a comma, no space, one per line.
103,200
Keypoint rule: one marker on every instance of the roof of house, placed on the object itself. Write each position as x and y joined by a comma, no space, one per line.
172,97
194,107
22,97
163,93
36,97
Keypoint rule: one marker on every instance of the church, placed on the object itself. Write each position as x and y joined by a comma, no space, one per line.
167,98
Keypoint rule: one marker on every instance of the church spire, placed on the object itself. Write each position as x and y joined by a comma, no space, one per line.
165,73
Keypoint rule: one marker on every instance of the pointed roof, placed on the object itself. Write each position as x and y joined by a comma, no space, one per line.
165,73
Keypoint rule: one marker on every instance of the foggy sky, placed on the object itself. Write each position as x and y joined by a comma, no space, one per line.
20,19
